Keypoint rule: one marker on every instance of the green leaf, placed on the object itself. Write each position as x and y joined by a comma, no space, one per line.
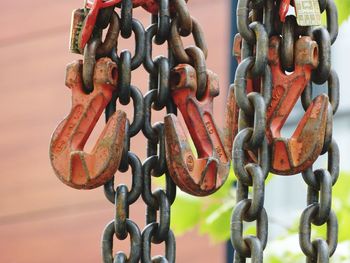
343,7
216,221
341,204
185,213
343,10
251,230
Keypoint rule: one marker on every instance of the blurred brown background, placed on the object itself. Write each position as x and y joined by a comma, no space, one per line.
42,220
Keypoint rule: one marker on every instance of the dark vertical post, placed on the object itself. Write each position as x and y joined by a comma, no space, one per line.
233,67
233,32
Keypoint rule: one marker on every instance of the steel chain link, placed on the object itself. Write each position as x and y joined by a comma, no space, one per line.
257,21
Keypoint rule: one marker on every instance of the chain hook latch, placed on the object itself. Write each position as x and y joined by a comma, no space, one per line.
203,175
295,154
71,164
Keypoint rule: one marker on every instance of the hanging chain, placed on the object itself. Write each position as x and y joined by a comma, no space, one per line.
250,107
101,79
262,96
259,102
158,203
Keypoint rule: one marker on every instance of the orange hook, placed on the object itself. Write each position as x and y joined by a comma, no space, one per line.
232,109
203,175
71,164
291,156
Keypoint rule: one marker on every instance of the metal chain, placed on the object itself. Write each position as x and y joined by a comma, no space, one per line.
157,230
104,77
263,42
250,137
259,103
321,181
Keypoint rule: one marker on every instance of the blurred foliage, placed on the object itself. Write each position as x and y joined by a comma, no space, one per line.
343,10
284,249
210,214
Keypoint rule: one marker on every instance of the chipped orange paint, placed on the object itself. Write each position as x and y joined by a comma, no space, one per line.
71,164
295,154
206,173
289,155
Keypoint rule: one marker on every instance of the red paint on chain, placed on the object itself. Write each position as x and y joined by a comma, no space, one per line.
90,22
284,7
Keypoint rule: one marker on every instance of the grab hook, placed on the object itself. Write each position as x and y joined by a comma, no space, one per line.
203,175
71,164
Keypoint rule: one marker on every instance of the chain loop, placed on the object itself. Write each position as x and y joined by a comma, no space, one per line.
163,22
287,43
89,63
333,92
107,244
139,54
332,20
306,219
321,73
170,246
121,212
239,243
126,18
177,46
136,188
184,17
164,217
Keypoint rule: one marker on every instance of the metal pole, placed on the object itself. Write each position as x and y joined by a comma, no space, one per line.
233,67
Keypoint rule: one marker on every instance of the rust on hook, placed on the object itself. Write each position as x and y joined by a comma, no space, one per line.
295,154
206,173
71,164
289,155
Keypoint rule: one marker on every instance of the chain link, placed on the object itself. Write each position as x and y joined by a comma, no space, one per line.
253,43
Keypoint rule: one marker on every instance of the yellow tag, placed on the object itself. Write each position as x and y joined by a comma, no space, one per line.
308,12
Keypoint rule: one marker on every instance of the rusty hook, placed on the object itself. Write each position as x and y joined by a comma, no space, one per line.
289,155
292,155
203,175
71,164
